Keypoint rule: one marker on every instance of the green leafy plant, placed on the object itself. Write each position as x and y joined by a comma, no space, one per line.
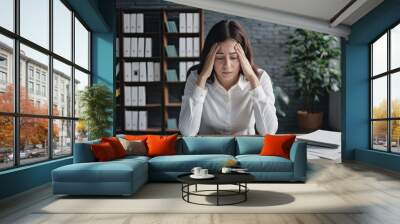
281,101
310,62
96,103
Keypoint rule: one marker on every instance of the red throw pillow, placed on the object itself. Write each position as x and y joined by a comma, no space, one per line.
103,151
159,145
135,137
116,145
277,145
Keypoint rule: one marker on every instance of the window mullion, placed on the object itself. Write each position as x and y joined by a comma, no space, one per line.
73,82
16,69
50,81
389,106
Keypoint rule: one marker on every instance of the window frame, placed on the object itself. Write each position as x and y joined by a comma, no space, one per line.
16,114
388,74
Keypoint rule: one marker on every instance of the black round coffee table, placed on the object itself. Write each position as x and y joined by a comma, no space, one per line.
238,179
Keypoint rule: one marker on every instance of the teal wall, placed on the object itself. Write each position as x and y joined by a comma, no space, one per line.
356,100
99,15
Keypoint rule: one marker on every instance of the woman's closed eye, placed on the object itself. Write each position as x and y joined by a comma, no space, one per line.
222,58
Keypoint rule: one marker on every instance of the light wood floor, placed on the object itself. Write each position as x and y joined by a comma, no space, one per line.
378,188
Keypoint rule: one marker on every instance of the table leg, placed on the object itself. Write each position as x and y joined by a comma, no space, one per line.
196,188
217,194
245,193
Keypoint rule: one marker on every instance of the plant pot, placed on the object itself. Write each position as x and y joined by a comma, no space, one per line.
309,121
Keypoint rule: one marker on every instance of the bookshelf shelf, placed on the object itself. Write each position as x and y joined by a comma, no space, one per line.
173,105
162,107
177,35
147,34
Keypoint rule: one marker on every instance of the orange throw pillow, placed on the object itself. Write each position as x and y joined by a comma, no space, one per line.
277,145
116,145
159,145
103,151
135,137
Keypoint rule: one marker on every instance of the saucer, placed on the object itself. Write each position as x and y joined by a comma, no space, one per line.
208,176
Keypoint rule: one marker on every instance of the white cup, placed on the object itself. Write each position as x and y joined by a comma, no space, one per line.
226,170
196,170
203,172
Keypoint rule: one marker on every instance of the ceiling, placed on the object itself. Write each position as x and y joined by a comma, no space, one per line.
327,16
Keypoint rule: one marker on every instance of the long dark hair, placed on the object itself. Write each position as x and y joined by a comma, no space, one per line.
221,31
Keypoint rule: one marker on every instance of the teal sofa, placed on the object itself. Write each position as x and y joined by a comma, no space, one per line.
125,176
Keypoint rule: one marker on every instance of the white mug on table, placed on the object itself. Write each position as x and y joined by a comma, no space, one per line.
203,172
196,170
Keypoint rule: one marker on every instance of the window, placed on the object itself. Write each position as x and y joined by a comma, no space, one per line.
385,97
44,91
3,72
37,75
62,29
81,45
30,87
62,74
30,72
35,22
7,14
38,89
43,77
3,78
45,131
3,61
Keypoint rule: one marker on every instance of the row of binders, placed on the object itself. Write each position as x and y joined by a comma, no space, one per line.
188,47
136,47
135,95
189,22
183,68
135,120
142,72
133,23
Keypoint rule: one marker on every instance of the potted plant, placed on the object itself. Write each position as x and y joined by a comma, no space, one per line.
281,100
96,103
311,63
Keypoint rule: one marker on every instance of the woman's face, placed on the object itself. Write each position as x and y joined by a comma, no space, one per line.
226,63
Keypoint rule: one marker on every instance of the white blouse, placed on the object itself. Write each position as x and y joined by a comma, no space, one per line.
214,110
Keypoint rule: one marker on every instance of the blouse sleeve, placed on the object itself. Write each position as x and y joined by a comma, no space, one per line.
264,106
192,106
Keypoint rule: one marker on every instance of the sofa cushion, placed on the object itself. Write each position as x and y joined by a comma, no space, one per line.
103,151
277,145
134,147
208,145
111,171
116,145
185,163
249,145
257,163
160,145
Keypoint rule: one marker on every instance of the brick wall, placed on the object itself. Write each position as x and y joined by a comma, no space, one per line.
269,45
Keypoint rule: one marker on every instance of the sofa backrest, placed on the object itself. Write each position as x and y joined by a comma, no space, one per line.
207,145
83,152
249,144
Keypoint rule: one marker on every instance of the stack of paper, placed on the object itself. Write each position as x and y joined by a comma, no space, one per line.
323,144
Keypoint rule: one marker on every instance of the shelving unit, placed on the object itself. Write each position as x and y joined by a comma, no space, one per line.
162,97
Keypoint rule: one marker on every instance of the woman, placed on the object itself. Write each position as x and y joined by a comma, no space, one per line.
227,94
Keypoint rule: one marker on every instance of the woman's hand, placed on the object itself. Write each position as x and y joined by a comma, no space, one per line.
246,67
208,66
